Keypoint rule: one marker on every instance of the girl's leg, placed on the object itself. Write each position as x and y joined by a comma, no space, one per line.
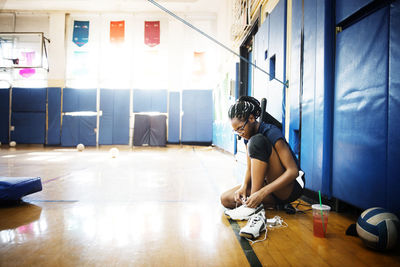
259,170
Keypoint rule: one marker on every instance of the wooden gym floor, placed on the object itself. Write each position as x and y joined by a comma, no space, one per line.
152,207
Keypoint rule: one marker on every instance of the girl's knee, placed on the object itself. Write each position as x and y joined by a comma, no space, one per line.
226,200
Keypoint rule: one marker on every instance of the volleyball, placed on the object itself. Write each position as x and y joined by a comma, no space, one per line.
378,228
80,147
114,152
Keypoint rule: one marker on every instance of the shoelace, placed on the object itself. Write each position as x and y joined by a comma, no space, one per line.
278,223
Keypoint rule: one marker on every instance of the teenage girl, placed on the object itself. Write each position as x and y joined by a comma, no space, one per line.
272,167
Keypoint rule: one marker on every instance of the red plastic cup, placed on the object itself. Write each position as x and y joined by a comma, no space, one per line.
318,217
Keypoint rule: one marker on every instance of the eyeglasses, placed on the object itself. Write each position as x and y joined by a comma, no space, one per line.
241,128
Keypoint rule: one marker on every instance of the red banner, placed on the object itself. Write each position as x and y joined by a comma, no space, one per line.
117,31
152,33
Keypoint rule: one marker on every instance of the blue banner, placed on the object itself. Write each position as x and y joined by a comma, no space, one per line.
81,33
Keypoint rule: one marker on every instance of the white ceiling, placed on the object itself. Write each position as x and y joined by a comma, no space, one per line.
197,6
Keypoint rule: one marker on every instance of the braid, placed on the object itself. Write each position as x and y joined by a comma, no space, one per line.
244,107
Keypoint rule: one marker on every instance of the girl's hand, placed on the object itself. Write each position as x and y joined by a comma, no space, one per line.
254,199
240,194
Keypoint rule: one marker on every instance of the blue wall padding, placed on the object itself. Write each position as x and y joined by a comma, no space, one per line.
345,8
121,117
29,99
197,119
158,130
150,100
270,54
29,115
360,113
307,131
78,130
223,136
277,51
141,133
4,114
316,120
294,124
106,120
393,181
54,116
114,123
75,100
30,127
260,79
174,117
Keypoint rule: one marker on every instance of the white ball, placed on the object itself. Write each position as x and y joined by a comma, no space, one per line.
378,228
13,143
80,147
114,152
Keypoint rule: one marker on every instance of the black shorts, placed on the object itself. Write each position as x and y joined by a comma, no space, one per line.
296,193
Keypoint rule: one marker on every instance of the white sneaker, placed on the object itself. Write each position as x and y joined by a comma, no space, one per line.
243,212
255,226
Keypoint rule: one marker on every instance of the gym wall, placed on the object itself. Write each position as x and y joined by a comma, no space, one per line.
343,97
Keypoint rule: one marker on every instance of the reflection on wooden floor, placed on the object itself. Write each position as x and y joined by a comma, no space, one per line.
151,207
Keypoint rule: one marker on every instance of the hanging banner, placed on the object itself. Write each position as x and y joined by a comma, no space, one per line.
81,33
117,31
199,64
152,33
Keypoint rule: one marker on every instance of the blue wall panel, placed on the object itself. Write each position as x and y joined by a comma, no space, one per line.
30,127
121,117
70,131
345,8
294,124
29,115
78,129
29,99
174,117
106,120
223,136
316,120
114,123
308,120
75,100
277,53
197,119
360,114
4,114
54,116
261,40
150,100
393,181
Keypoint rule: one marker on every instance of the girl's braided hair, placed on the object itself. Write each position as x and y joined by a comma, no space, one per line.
243,107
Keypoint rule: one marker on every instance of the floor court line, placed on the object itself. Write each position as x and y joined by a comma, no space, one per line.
246,247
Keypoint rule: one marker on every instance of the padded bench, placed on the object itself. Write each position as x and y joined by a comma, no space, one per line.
14,188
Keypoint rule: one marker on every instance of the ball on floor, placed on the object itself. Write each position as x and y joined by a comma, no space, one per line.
13,143
378,228
114,152
80,147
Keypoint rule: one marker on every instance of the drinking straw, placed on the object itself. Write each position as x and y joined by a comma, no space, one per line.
322,215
